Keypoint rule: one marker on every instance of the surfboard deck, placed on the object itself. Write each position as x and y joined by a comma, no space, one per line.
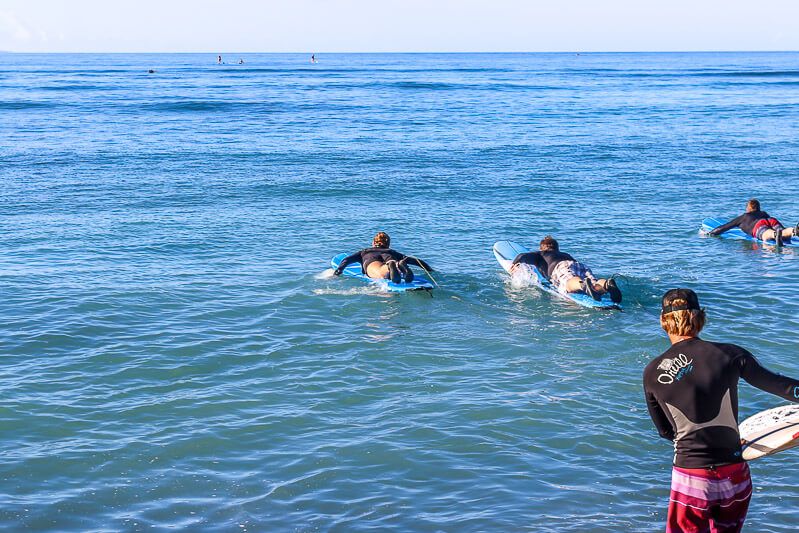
506,252
770,431
738,234
419,283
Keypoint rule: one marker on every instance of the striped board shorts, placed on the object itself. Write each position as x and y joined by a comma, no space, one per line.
762,225
569,269
709,499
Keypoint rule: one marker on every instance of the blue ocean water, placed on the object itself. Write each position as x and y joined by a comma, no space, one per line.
171,357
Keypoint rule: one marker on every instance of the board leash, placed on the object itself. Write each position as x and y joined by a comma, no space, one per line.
426,272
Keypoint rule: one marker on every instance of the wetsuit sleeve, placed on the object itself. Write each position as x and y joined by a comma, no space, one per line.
532,258
728,226
662,423
418,262
354,258
766,380
521,258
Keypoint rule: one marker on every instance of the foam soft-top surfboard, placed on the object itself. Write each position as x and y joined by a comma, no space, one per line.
506,252
737,233
770,431
419,283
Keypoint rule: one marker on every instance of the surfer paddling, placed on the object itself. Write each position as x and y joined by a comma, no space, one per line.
691,392
381,262
566,273
759,225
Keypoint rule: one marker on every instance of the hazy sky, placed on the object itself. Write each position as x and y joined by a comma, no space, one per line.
396,26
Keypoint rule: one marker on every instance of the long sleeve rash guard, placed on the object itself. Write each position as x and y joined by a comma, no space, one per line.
692,394
545,262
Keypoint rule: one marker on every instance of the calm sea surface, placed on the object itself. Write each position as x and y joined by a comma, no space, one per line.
171,358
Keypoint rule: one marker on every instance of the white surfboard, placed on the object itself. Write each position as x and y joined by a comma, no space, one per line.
770,431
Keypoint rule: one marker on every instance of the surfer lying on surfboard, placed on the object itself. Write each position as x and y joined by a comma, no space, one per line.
692,395
567,274
381,262
759,225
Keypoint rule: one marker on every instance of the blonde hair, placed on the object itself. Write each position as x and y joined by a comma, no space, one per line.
685,323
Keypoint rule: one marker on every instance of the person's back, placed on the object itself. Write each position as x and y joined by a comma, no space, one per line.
691,393
381,254
545,261
695,383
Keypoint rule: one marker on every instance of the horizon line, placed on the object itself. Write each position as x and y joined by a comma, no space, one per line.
430,52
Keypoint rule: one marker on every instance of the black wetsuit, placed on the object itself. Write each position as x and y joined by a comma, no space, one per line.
746,222
692,394
370,255
545,262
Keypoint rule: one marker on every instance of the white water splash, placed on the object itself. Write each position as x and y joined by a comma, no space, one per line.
325,274
367,289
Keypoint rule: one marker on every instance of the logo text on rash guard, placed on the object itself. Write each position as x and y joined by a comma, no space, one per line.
676,369
796,392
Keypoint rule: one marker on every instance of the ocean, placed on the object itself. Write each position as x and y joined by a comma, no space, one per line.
174,358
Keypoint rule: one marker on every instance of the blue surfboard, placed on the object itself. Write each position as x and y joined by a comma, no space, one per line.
737,233
506,252
419,283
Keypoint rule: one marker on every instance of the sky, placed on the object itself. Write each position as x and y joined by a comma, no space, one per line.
397,25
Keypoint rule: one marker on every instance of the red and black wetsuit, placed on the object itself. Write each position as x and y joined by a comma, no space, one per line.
545,262
692,394
370,255
749,223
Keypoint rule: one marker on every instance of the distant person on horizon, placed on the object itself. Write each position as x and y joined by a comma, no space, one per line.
691,393
759,225
241,61
381,262
565,273
219,60
313,58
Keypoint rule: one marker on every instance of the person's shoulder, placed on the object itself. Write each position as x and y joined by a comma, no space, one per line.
732,350
652,366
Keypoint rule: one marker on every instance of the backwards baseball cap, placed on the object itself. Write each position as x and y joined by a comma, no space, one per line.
689,300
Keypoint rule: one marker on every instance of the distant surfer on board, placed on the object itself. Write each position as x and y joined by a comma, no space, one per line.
759,225
381,262
691,392
313,58
566,273
218,60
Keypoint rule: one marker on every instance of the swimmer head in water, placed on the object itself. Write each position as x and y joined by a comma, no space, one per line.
381,240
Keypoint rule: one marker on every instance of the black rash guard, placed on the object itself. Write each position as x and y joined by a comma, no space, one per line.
692,394
370,255
746,222
545,262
